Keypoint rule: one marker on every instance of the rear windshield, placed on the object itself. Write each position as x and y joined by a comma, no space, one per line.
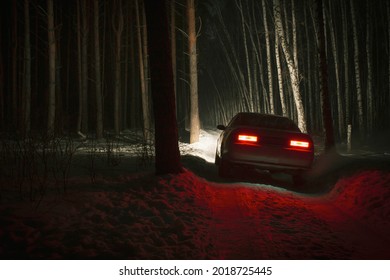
264,121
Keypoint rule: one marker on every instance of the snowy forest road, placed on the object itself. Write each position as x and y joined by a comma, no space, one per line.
122,211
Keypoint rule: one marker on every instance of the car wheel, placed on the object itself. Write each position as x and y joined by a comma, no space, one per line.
224,168
217,159
298,180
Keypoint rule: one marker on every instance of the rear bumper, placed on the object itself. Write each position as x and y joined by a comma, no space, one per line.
269,158
269,166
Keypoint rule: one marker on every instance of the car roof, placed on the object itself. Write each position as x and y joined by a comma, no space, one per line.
260,115
264,120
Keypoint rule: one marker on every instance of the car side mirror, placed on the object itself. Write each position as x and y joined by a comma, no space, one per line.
221,127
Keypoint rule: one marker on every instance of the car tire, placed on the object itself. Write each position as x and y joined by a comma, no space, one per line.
298,180
223,169
217,160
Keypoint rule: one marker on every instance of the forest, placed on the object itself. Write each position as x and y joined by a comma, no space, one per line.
94,92
82,67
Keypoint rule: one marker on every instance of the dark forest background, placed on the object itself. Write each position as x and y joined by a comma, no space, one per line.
100,52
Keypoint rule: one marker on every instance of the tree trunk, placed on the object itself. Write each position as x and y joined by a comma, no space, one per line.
98,77
269,65
294,51
133,74
173,45
309,91
323,71
14,55
84,67
388,47
341,117
27,60
125,77
346,66
255,84
262,98
118,29
69,65
291,67
370,109
79,67
144,96
248,66
59,113
166,134
295,43
316,87
52,68
2,97
359,94
194,111
286,22
146,62
103,53
280,76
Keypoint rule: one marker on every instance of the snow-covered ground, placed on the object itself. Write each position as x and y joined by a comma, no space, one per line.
123,211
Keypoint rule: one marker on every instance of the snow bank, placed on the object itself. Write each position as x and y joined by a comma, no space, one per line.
141,217
366,196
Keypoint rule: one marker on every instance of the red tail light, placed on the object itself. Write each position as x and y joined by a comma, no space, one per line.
299,144
245,138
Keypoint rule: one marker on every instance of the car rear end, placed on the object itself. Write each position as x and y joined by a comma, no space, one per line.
269,149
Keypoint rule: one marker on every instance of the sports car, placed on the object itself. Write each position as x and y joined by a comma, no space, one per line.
264,142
